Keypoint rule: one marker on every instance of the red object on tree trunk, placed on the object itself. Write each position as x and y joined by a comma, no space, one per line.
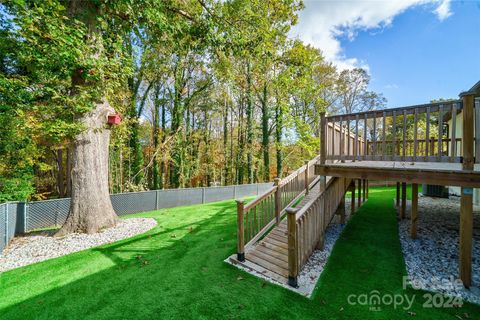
114,119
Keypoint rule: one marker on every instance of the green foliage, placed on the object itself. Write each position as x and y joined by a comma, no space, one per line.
209,91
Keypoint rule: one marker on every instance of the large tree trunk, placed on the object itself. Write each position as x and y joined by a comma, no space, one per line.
91,208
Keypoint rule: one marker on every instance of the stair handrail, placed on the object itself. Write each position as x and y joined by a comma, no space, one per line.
256,217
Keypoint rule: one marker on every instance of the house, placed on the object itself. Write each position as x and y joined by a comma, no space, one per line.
459,133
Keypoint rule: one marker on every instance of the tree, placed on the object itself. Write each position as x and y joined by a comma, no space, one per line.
353,93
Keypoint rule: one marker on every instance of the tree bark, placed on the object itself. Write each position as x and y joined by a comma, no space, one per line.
91,209
60,175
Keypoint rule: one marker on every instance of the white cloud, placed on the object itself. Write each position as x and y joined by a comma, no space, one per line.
443,10
323,22
391,86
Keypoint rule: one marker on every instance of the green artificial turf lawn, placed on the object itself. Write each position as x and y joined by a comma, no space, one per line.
176,271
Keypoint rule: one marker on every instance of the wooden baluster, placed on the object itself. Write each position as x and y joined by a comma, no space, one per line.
334,131
365,145
348,137
453,142
240,231
384,136
427,133
292,246
323,138
440,132
306,177
404,144
394,135
342,142
278,200
356,142
415,135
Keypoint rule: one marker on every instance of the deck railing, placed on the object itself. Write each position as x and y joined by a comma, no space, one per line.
422,133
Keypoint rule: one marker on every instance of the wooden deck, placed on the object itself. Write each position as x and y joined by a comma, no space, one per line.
440,173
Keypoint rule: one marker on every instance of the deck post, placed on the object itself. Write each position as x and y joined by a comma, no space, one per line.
367,187
414,214
364,183
240,231
306,177
292,247
341,209
278,200
359,192
397,200
466,201
404,200
466,235
352,206
323,137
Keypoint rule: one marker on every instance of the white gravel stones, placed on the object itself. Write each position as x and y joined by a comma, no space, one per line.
43,246
432,259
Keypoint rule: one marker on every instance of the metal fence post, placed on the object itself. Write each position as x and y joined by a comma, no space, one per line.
157,205
257,189
25,216
203,195
6,223
234,192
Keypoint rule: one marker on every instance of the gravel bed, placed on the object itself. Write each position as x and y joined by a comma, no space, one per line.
42,246
432,259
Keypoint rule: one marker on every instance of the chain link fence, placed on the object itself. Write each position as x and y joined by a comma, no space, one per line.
22,217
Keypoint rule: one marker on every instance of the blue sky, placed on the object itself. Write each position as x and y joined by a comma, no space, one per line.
415,50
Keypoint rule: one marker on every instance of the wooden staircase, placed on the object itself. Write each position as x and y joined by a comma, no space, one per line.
271,253
277,247
280,254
